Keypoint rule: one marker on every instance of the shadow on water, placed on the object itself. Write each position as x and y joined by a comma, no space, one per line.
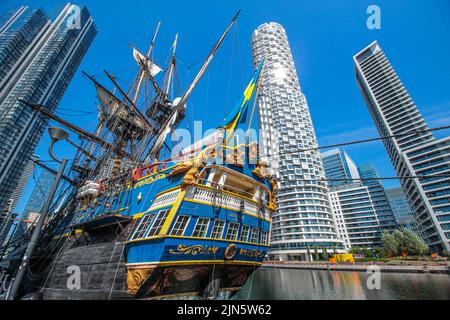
289,284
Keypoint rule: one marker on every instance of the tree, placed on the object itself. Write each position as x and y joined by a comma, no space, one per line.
413,243
390,244
403,240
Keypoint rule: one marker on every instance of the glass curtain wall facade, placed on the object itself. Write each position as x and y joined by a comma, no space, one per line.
378,195
39,59
39,194
339,166
401,209
24,178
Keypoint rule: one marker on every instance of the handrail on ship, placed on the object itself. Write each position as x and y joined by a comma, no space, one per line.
266,215
231,192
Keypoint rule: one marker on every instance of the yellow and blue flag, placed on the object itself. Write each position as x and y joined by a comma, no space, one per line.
239,112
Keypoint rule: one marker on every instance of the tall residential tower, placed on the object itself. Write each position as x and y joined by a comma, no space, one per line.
360,206
304,219
38,59
370,177
416,154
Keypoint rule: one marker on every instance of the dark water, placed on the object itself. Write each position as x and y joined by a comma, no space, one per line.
274,283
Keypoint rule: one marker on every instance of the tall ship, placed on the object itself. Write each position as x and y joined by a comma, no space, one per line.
135,223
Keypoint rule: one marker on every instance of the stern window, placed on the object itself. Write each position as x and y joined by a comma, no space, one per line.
201,227
142,227
255,235
244,233
232,233
158,224
263,237
219,226
180,225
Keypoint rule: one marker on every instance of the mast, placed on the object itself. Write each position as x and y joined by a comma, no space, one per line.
141,71
172,65
135,108
177,109
142,60
70,126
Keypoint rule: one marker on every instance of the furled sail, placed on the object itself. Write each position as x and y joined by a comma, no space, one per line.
143,60
108,101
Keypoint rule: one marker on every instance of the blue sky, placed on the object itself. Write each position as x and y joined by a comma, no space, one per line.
324,35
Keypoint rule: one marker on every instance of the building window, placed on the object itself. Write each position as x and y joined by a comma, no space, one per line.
244,233
158,224
255,235
219,226
232,233
180,225
201,227
142,227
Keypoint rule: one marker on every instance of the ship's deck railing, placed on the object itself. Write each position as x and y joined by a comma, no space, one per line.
218,197
165,199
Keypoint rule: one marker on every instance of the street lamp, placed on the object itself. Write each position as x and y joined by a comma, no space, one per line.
56,134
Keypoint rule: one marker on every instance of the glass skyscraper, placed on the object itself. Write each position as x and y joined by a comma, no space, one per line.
23,180
39,194
339,166
304,219
378,195
412,154
38,60
401,209
361,208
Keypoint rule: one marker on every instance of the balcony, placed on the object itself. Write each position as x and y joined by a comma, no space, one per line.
222,198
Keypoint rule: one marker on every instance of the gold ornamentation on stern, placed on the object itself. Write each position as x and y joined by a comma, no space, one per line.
191,176
236,157
181,168
273,203
194,250
136,278
253,253
263,170
230,252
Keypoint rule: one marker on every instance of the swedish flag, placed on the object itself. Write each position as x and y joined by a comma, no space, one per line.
239,112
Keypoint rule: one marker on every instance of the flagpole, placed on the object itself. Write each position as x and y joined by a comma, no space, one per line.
258,85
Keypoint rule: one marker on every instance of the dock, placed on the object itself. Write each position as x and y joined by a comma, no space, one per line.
413,267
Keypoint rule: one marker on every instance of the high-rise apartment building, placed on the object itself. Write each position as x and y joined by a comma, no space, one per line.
23,180
401,209
356,216
369,176
38,59
6,222
413,151
360,206
304,219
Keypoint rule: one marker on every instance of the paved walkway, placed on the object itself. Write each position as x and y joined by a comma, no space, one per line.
409,268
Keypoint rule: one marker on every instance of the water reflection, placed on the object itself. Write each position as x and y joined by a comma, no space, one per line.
268,283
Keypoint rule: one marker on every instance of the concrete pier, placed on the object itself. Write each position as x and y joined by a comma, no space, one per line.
413,267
